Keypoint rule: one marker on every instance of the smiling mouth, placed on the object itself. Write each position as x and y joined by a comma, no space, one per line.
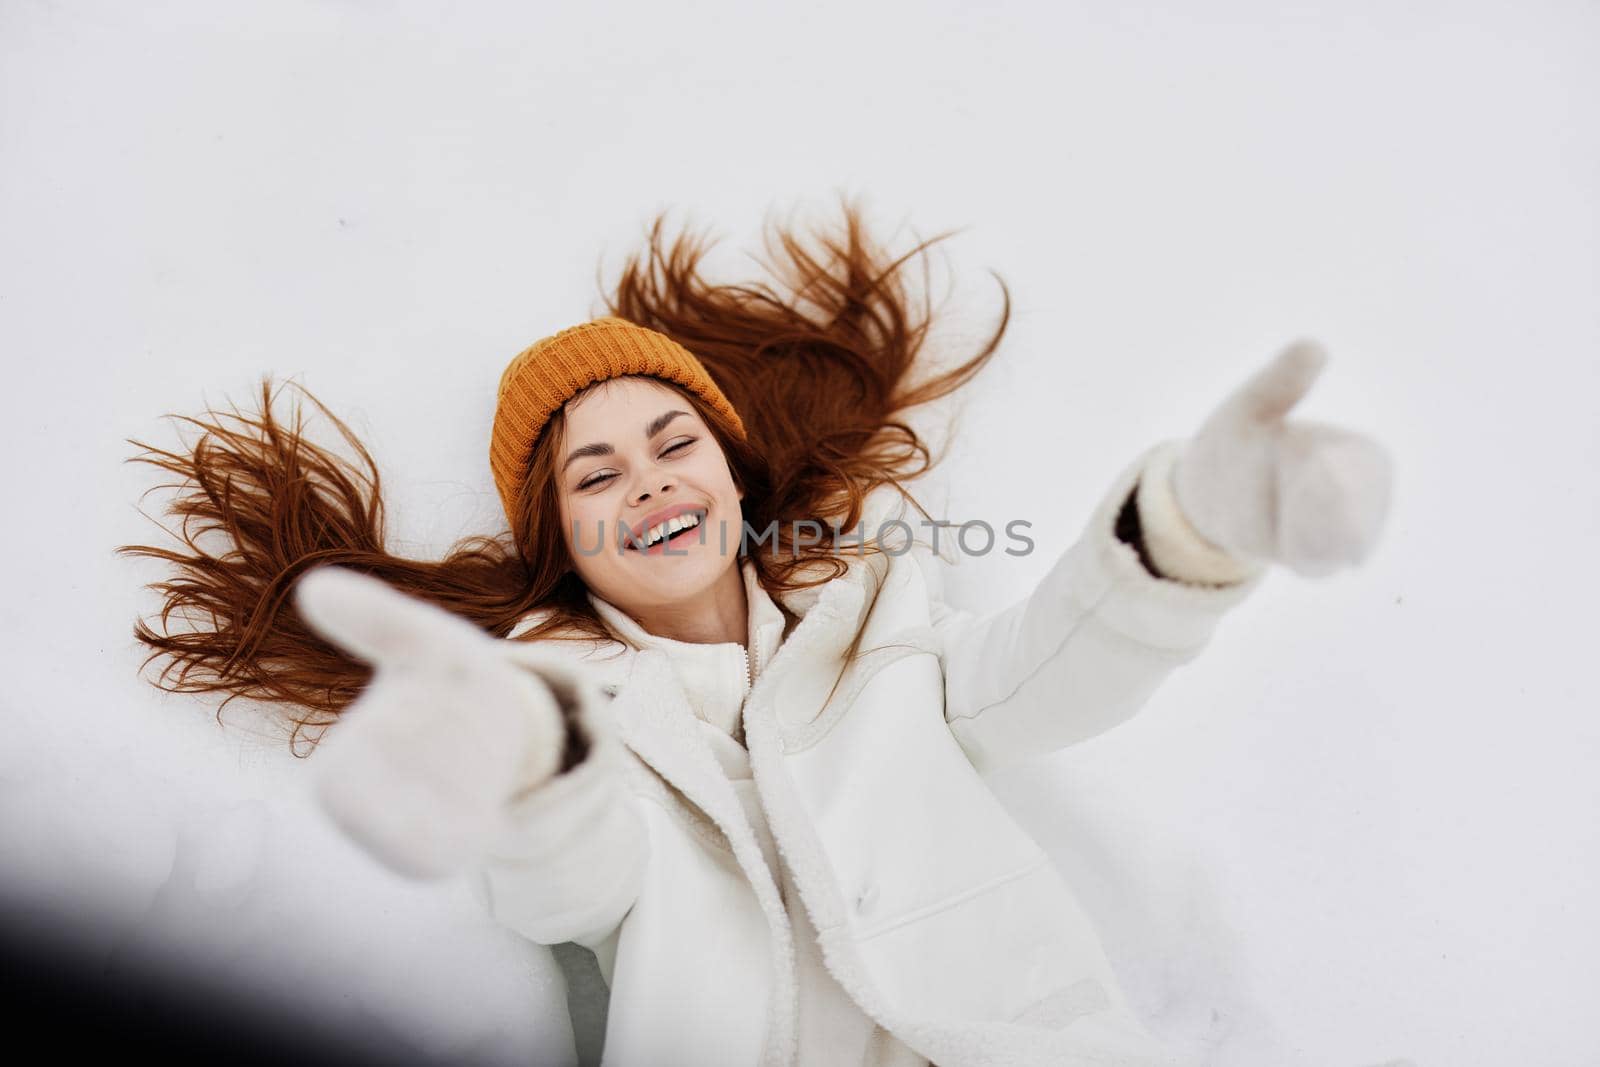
677,540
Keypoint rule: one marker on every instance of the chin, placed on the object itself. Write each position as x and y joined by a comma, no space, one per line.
680,577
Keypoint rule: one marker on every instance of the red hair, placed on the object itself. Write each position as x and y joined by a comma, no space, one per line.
823,362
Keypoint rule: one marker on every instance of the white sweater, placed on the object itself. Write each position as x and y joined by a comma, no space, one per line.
716,679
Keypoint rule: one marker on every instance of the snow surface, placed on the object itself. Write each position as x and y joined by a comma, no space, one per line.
1361,826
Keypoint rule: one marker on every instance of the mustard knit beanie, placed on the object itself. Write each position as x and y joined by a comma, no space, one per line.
553,370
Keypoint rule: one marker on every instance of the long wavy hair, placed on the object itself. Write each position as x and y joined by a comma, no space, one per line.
823,360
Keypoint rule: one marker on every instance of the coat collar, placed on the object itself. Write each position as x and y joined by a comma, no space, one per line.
652,713
715,677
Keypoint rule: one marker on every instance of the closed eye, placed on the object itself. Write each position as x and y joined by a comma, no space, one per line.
601,479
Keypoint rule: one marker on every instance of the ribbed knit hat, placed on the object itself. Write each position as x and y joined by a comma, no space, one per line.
551,371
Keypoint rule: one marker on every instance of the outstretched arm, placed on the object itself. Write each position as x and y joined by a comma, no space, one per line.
569,862
1184,534
470,755
1086,649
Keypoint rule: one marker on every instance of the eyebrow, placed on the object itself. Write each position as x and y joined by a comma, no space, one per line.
655,426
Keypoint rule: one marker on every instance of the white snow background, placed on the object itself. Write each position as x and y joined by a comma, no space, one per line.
1360,826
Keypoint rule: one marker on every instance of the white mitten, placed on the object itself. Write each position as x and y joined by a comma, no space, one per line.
419,768
1308,495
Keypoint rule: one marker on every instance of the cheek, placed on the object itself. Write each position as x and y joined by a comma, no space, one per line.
583,524
572,515
712,471
735,494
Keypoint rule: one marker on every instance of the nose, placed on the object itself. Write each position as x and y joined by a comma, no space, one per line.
652,483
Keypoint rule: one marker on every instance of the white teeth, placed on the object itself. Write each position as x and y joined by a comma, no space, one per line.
663,530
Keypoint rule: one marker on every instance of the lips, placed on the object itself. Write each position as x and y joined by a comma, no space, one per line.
630,533
677,542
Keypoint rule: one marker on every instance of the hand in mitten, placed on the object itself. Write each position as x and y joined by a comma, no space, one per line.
1305,494
419,768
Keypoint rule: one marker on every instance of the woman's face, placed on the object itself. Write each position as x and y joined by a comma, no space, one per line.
634,453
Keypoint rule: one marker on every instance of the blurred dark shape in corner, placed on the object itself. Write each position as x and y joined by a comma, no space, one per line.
68,1005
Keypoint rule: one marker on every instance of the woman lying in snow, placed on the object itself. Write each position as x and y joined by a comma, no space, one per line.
704,721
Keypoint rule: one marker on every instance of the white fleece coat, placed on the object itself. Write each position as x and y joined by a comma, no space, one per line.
716,680
942,921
